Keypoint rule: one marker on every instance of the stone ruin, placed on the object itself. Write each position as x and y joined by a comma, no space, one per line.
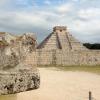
21,53
61,48
16,75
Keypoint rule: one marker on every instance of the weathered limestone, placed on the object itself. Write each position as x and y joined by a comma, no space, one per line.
17,75
7,60
22,78
17,50
61,48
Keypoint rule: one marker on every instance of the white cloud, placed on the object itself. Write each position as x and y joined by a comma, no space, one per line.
64,8
47,2
75,0
88,21
21,2
89,13
84,1
83,22
3,2
87,28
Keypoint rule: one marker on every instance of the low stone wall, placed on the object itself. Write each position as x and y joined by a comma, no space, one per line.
64,57
78,57
44,57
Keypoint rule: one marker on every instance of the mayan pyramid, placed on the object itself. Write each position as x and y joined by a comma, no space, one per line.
60,38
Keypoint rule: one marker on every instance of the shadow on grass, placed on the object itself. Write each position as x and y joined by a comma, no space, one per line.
8,97
85,68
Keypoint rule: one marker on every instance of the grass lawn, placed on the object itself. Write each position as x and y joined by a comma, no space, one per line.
85,68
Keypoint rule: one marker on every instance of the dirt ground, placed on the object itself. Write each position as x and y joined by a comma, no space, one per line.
63,85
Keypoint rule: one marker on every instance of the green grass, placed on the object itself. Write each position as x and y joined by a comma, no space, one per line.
85,68
8,97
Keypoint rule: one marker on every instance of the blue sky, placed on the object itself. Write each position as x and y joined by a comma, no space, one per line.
82,17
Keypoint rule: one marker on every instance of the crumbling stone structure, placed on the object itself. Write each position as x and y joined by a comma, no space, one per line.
16,75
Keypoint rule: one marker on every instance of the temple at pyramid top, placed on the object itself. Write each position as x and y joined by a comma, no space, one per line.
59,28
61,39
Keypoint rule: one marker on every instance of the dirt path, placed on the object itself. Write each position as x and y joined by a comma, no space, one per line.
59,85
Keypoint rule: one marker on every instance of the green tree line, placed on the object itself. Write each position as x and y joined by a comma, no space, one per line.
92,46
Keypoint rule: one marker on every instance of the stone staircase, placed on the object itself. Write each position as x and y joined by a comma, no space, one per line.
64,41
50,42
75,44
